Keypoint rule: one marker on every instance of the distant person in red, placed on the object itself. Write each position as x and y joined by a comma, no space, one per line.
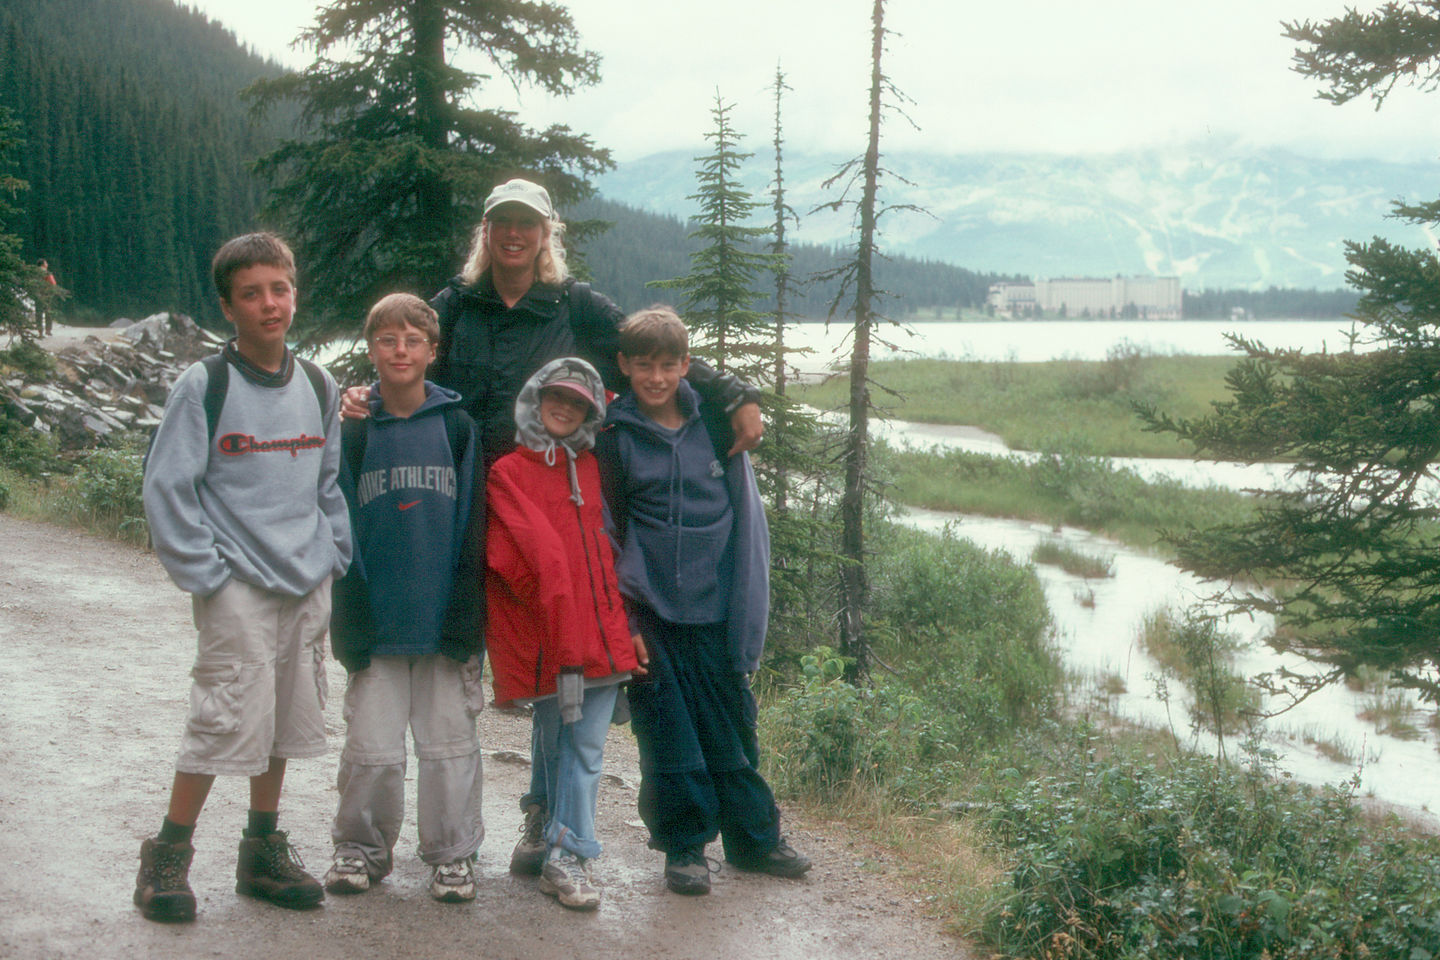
44,318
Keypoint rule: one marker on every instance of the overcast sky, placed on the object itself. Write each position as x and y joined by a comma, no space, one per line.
1054,76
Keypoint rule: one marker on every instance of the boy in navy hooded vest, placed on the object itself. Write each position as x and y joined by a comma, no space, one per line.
408,618
694,566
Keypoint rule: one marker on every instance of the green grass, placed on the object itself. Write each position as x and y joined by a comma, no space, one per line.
1089,403
1075,562
1061,488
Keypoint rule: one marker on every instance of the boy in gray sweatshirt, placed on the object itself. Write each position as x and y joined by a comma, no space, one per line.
246,515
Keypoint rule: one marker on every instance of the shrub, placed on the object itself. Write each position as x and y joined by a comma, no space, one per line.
968,628
29,359
1129,857
108,488
825,736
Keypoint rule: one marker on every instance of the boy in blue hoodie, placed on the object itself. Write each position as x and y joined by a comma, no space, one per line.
408,617
694,568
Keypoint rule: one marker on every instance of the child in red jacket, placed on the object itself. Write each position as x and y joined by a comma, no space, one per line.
558,635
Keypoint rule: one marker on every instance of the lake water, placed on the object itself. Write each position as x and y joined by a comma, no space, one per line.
1098,625
1038,340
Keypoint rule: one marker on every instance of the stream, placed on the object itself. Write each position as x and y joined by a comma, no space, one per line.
1322,740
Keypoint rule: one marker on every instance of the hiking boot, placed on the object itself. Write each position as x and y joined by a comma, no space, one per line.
162,888
347,875
453,882
688,871
270,869
529,854
569,879
783,861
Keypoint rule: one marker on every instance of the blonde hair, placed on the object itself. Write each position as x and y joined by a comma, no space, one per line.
549,265
656,329
398,310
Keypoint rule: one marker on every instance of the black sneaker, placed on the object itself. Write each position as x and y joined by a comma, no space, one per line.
270,869
688,871
783,861
162,888
528,857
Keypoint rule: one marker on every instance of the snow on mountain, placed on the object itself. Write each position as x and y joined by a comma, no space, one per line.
1216,218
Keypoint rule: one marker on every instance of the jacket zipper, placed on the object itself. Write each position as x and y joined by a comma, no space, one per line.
594,600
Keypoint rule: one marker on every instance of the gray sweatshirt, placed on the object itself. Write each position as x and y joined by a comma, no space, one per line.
263,503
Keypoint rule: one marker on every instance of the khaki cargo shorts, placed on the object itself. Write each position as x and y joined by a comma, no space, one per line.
259,680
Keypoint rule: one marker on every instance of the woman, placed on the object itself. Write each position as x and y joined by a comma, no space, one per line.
514,308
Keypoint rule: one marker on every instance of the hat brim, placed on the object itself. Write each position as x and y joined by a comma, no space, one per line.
506,201
570,386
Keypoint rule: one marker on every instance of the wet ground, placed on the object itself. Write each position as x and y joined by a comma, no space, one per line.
95,651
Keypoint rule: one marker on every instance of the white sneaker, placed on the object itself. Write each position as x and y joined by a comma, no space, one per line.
347,875
569,878
454,882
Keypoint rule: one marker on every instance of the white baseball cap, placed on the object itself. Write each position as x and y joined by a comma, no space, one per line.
524,192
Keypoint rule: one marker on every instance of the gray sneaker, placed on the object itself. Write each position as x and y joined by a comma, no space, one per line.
162,887
529,854
347,875
569,879
453,882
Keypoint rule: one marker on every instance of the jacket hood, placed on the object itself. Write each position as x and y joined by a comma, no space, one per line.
436,398
530,432
626,410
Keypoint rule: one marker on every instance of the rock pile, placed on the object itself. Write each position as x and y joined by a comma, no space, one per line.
104,386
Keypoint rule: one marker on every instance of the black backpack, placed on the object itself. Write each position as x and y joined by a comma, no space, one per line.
354,434
217,384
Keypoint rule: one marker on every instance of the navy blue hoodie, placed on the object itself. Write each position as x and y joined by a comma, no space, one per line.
693,541
410,510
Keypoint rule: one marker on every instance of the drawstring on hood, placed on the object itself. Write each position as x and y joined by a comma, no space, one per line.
531,433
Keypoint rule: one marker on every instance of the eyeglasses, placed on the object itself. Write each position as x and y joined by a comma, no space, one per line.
388,342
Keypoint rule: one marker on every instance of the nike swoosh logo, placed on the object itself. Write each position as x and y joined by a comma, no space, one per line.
407,506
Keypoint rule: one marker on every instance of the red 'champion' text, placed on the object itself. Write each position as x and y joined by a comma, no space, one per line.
238,444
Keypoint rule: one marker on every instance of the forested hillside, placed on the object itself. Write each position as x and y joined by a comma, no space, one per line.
642,246
136,147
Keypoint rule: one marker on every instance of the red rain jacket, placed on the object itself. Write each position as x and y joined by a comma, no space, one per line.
550,587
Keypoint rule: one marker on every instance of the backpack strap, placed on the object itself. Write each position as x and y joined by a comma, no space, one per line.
217,382
353,436
317,383
458,434
577,293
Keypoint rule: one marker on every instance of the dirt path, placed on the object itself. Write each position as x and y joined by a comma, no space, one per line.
95,650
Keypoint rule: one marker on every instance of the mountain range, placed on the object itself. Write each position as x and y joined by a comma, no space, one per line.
1216,217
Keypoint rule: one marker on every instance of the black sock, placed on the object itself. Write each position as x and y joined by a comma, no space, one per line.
262,823
172,832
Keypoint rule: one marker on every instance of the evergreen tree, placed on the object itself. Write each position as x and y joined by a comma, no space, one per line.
779,246
857,283
792,465
22,287
1357,546
386,192
720,287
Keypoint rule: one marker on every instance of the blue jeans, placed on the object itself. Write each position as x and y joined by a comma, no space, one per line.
570,756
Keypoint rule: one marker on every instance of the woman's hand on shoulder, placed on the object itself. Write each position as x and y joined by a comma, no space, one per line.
355,403
748,426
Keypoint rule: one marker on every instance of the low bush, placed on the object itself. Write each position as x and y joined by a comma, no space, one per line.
1120,855
106,488
962,639
1193,649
